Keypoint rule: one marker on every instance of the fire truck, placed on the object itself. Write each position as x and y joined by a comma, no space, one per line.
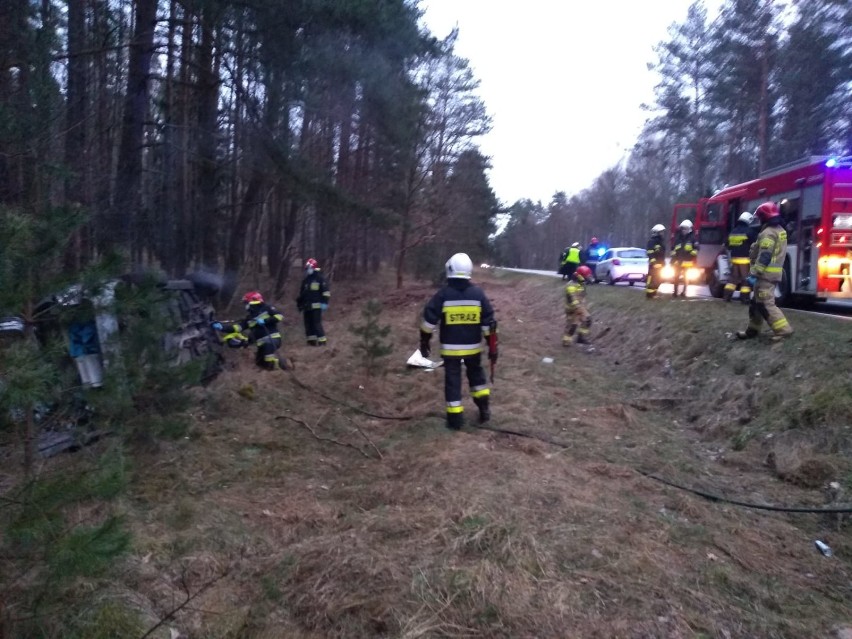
815,199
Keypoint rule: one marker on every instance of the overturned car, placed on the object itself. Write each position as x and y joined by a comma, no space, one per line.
90,322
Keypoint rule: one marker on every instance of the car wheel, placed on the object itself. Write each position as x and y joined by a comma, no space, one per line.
609,279
631,283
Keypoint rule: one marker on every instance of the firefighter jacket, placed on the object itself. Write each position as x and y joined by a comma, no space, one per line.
592,253
465,315
685,247
768,252
739,242
656,250
314,292
575,295
572,256
257,332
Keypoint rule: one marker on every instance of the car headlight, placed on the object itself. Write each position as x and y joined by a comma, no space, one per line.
668,272
693,274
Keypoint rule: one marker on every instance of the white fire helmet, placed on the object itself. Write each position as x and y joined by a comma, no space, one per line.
658,228
745,218
459,266
686,225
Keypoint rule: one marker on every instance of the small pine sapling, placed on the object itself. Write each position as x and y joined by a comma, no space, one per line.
372,347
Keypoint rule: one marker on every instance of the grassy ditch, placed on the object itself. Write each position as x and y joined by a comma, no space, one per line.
329,522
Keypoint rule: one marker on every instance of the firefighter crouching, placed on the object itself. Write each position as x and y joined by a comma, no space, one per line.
767,267
656,261
465,315
684,252
577,318
739,244
312,302
259,328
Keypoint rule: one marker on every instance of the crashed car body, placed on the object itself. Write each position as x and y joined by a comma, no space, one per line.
90,327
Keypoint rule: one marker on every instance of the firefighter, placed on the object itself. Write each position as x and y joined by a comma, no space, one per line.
312,302
570,261
592,256
656,261
465,315
259,328
577,318
684,252
740,239
767,267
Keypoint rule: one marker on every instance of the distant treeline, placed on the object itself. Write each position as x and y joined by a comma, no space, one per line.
756,87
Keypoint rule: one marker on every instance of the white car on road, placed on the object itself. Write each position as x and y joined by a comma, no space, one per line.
623,264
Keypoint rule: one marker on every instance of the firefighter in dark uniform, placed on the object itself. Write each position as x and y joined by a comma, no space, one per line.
767,270
656,261
740,239
577,318
684,253
465,315
259,328
312,302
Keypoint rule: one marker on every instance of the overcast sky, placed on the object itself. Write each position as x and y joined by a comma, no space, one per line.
564,81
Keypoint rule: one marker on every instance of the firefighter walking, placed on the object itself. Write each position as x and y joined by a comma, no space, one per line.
656,261
740,239
684,252
312,302
767,268
577,318
259,328
466,317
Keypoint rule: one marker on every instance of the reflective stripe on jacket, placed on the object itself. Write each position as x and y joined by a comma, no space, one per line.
464,314
739,243
575,294
768,253
685,248
313,292
656,251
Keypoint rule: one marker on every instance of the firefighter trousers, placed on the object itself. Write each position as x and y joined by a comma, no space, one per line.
763,308
453,387
680,275
266,357
739,280
314,331
655,278
577,324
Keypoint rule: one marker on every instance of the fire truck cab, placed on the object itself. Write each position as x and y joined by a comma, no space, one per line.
815,199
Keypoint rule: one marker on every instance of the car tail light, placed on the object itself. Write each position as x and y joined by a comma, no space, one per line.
616,262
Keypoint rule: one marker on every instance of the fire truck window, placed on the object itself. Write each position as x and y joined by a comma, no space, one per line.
713,212
734,211
790,215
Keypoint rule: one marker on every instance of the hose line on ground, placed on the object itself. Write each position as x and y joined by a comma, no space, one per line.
831,510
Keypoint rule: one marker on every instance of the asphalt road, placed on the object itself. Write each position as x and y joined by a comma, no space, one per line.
840,310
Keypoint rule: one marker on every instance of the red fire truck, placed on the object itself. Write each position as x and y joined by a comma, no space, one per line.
815,199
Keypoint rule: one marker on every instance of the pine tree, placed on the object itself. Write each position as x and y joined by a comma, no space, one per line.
372,347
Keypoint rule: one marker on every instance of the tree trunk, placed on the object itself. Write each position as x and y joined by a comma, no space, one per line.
208,89
125,210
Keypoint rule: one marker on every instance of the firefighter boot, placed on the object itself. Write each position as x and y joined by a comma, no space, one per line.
484,409
748,333
455,421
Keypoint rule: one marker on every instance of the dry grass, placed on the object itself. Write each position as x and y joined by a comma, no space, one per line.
481,534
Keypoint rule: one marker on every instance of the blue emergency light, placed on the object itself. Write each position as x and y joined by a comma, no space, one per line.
831,162
601,251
